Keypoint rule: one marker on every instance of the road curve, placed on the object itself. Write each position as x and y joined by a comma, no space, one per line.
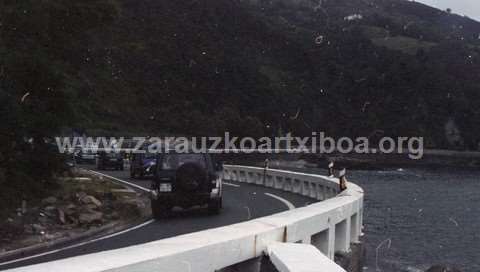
242,202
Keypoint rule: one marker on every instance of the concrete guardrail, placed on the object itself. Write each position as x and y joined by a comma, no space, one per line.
303,239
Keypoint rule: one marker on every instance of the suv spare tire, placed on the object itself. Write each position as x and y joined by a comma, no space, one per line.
190,176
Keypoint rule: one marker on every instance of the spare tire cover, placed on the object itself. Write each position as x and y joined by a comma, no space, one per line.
190,176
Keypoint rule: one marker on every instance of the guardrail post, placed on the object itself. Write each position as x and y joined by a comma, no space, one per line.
320,241
354,228
259,178
331,242
297,186
287,184
242,176
307,240
342,236
225,174
324,192
360,221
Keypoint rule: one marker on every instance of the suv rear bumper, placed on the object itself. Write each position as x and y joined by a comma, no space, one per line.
111,163
182,199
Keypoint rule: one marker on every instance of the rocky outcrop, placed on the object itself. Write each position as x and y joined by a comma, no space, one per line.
49,200
88,199
443,268
90,217
81,204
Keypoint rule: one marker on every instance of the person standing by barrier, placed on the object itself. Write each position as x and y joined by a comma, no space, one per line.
265,168
330,170
342,180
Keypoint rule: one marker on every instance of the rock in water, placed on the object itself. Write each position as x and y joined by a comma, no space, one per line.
442,268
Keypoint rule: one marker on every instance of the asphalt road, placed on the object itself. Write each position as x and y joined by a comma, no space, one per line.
241,202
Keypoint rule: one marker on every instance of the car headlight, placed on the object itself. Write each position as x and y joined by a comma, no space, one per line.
149,164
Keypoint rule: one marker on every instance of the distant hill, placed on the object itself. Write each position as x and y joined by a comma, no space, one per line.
255,67
391,65
379,18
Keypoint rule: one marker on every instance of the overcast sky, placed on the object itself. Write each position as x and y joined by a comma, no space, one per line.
471,8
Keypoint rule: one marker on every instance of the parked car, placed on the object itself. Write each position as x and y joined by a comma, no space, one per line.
185,180
85,156
142,164
110,160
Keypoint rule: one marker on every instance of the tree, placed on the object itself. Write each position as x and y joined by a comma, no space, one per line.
41,42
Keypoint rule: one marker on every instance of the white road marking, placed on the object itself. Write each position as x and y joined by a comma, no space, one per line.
122,181
79,244
231,184
286,202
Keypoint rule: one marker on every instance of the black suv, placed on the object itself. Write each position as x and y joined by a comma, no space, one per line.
110,160
185,180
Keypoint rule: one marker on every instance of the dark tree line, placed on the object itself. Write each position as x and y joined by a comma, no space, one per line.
41,48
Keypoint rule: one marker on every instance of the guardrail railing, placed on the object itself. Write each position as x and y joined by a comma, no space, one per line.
330,226
340,221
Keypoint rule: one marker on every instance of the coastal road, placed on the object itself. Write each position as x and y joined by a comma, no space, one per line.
242,202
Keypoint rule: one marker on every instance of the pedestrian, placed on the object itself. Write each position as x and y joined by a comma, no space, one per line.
342,180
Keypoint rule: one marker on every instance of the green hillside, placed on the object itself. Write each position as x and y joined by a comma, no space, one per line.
202,67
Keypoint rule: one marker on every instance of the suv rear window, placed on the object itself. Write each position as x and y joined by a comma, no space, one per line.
149,155
113,155
174,161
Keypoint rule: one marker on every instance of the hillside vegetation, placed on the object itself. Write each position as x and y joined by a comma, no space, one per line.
202,67
347,67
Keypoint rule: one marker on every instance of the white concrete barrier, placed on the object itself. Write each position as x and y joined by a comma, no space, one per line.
333,231
293,257
330,226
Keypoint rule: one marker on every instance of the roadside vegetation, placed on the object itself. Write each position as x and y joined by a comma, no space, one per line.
81,204
42,47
